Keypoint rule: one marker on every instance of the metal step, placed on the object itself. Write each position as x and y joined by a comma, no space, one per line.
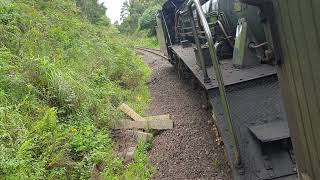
273,131
259,121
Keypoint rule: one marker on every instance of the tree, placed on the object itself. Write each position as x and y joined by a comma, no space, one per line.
124,10
133,10
93,11
148,20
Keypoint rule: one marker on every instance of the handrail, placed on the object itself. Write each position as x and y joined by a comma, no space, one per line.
198,44
218,75
165,24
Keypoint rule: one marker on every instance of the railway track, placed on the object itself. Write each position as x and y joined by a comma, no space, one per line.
153,51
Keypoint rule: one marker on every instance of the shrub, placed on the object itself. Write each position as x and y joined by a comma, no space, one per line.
148,20
61,80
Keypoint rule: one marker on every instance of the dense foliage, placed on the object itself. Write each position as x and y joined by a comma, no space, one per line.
139,15
148,21
61,79
93,11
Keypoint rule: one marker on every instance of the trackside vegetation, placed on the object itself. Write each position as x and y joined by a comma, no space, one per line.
62,77
138,17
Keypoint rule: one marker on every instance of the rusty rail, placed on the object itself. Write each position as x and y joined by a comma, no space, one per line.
152,51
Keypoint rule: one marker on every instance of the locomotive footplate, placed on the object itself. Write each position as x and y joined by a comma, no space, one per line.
260,127
231,75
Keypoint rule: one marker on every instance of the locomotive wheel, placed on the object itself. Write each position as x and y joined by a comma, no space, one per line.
194,82
179,68
205,99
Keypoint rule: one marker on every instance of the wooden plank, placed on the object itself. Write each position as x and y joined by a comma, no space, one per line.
130,112
140,135
157,124
165,117
143,136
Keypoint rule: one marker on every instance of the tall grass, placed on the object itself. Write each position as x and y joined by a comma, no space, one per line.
61,80
141,39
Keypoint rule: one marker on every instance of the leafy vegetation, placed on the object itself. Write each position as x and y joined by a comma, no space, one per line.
93,11
147,20
139,15
140,39
62,76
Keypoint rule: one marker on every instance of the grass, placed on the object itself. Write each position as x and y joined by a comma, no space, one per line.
147,42
61,80
141,39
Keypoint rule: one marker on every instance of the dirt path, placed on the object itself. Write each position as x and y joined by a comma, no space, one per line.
188,151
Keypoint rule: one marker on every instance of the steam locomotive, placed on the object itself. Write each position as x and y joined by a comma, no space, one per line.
237,52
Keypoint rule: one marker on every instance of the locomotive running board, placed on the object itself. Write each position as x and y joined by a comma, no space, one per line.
231,75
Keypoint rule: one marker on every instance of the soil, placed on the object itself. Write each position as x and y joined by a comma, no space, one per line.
190,150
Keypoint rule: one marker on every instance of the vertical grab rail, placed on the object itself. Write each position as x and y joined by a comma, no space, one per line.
165,24
198,44
218,75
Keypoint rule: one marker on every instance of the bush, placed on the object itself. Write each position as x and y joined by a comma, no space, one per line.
61,80
148,20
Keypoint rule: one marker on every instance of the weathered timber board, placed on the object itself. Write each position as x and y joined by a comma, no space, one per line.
158,124
130,112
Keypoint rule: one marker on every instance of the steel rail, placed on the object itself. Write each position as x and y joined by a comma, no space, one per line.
152,51
218,74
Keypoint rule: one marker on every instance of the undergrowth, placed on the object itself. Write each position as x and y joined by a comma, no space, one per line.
61,80
141,39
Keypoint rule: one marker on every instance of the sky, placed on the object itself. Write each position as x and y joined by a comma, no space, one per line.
114,9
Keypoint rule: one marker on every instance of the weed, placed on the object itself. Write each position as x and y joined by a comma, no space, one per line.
61,79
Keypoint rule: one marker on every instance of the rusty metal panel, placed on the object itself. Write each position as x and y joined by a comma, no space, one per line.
299,28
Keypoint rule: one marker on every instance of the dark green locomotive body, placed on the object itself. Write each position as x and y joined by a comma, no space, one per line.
294,28
234,10
245,100
231,11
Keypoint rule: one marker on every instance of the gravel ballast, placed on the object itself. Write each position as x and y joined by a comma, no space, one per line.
190,150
